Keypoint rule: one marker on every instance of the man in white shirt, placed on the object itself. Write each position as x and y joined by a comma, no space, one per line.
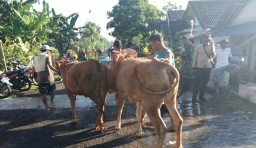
223,55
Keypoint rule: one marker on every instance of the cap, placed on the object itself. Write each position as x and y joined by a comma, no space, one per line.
45,47
224,41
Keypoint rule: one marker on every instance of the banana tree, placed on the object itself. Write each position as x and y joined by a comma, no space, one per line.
24,25
62,31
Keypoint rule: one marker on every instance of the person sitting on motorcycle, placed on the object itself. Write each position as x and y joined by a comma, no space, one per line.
45,77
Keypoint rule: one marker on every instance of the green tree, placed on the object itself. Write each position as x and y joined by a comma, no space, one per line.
171,6
21,23
133,18
62,33
24,29
20,26
90,37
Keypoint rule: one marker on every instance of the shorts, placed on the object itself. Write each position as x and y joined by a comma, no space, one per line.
219,72
46,88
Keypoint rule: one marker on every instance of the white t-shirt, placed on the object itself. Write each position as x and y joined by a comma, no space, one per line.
222,57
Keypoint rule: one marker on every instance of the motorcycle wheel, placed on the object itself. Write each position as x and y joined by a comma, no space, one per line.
26,85
5,91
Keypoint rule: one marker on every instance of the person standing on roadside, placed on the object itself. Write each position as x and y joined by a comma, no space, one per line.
45,77
186,56
81,55
202,65
117,46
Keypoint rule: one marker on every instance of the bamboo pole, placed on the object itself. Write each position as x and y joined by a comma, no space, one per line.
1,46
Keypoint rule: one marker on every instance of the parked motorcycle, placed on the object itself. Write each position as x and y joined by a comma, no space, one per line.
19,79
5,86
28,70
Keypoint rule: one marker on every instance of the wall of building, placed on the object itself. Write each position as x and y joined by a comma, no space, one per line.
247,14
244,46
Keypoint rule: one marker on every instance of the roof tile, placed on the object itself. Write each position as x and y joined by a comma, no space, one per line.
208,13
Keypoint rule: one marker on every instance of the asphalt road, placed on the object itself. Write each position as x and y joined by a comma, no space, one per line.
223,121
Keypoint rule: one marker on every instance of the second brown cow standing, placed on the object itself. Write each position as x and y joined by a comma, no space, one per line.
88,79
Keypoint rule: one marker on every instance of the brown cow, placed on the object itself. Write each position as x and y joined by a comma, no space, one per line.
150,83
88,78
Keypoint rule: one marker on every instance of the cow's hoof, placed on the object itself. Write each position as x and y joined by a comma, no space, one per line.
100,128
139,133
74,121
118,128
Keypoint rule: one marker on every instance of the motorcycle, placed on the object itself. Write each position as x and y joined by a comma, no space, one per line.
5,86
19,79
28,70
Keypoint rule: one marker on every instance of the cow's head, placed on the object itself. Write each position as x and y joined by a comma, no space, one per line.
60,64
116,59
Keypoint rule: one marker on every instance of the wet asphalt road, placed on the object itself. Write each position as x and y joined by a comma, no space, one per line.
223,121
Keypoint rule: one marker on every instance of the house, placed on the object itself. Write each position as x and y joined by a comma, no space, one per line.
172,24
202,16
176,24
239,23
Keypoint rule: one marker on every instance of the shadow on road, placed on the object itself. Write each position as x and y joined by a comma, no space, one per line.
38,128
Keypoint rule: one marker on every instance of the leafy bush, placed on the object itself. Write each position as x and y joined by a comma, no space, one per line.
14,51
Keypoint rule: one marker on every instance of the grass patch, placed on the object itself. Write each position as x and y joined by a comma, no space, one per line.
16,93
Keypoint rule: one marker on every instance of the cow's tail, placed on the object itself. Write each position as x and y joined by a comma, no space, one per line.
172,70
